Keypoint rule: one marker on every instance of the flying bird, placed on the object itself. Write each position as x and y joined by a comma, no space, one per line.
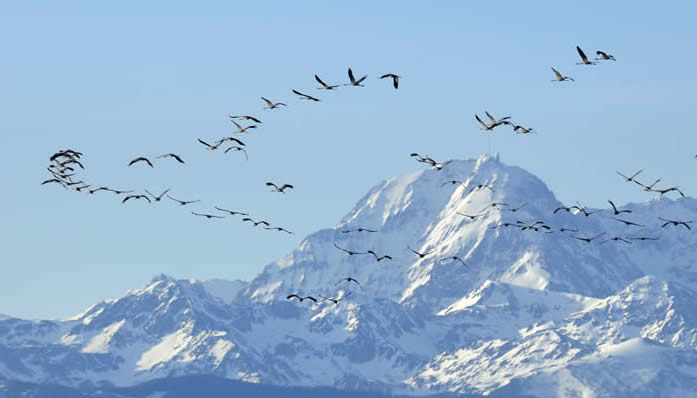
522,130
305,96
567,230
665,191
604,56
630,179
451,182
241,129
92,191
359,229
353,80
157,198
505,224
379,258
237,149
256,222
584,59
421,255
484,125
71,161
648,188
292,296
588,240
481,186
53,180
279,229
350,252
209,146
493,205
423,159
454,258
246,117
183,202
325,86
675,223
615,211
627,223
208,216
585,212
643,238
497,122
271,105
140,159
515,209
395,79
616,239
231,212
226,139
117,192
172,155
135,197
276,188
335,300
470,216
349,280
559,77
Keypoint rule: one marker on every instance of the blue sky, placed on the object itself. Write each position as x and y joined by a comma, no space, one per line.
117,81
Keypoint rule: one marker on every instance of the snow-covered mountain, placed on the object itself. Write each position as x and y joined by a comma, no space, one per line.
531,312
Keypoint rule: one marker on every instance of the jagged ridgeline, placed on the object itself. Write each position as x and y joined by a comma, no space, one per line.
481,288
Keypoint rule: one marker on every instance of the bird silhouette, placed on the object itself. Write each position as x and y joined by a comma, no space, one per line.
135,197
272,105
353,81
208,216
140,159
615,211
631,178
604,56
616,239
359,229
324,85
231,212
157,198
305,96
255,223
246,117
279,229
588,240
395,79
627,223
675,223
209,146
559,77
421,255
379,258
454,258
584,59
276,188
335,300
174,156
183,202
237,149
240,128
350,252
349,280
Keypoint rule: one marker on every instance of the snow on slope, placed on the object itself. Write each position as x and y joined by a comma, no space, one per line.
530,312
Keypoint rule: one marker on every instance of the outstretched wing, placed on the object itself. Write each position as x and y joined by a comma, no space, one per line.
582,54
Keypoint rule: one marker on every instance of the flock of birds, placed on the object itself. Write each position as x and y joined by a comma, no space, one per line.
65,163
530,225
63,172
